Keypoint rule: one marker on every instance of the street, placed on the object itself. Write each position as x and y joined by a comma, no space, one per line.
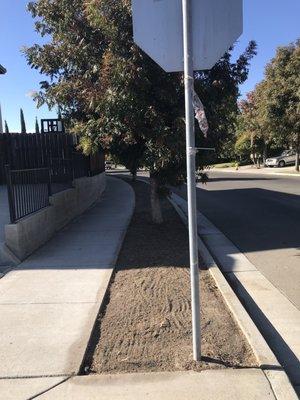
260,214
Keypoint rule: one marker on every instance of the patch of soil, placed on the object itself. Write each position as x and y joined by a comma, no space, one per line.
146,324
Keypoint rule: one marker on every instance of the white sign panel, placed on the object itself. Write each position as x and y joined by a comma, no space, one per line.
157,27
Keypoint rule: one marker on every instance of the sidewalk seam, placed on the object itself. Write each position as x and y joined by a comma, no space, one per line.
48,390
270,385
12,378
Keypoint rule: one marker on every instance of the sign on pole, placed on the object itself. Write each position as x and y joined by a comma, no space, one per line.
188,35
158,30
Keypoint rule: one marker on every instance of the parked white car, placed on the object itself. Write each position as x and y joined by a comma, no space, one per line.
108,164
288,157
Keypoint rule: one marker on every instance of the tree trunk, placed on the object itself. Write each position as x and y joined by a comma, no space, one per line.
297,152
155,202
133,176
265,152
252,150
258,162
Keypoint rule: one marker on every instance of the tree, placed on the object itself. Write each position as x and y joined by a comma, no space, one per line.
22,121
6,129
283,94
271,113
252,132
130,155
242,146
37,127
114,95
218,89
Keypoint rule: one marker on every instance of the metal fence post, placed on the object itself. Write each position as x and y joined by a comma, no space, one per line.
10,194
73,166
49,182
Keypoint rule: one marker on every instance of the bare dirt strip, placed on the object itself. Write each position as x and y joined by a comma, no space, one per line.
146,322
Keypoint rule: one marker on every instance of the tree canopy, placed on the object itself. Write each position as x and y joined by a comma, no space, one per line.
22,121
114,96
271,113
37,127
6,129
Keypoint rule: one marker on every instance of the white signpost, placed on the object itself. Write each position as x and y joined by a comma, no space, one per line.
188,35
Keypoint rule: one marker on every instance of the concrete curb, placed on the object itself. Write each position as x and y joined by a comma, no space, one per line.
240,384
110,274
256,173
273,370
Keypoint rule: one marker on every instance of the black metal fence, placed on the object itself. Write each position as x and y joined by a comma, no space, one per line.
28,191
33,150
56,151
36,165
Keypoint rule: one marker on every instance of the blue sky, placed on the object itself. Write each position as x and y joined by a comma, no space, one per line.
270,22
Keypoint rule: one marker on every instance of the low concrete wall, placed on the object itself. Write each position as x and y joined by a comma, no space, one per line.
28,234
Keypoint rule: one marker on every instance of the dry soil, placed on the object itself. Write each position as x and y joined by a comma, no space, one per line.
146,322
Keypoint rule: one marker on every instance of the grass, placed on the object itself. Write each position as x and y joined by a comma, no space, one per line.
225,165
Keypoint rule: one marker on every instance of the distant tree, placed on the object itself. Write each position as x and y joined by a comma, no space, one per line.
22,121
252,132
283,94
218,89
130,155
37,127
270,115
242,146
6,129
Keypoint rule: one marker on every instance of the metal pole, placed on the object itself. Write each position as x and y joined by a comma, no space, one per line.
191,174
10,194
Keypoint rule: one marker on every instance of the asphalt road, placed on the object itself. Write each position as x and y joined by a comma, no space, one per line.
261,216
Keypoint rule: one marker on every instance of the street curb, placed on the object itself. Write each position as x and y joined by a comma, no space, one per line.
102,295
267,361
256,173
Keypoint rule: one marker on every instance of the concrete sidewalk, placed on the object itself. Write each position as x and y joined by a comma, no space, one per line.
229,384
243,384
48,304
